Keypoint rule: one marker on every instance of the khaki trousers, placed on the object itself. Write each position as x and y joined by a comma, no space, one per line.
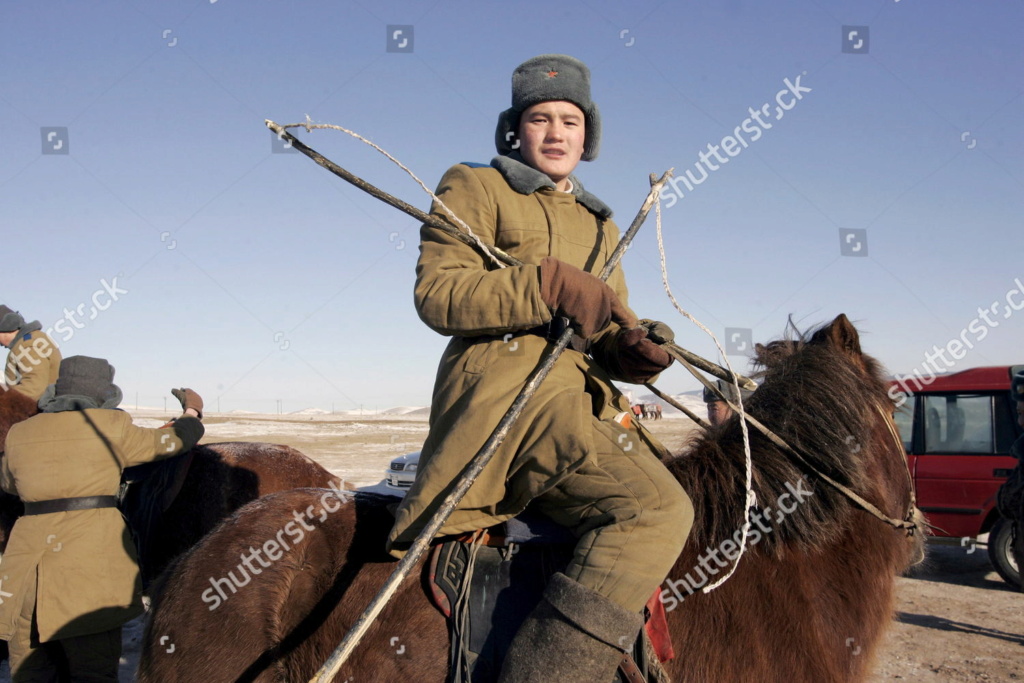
83,659
629,513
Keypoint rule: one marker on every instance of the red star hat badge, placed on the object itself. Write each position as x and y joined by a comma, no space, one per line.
552,74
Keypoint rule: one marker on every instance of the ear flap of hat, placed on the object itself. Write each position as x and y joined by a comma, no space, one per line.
592,142
505,135
506,138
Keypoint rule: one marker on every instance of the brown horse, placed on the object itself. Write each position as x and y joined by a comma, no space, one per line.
221,478
14,407
267,595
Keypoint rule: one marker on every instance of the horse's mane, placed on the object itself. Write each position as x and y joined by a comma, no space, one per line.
819,394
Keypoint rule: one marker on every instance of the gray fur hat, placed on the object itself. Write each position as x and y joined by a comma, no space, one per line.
543,79
89,377
10,320
727,389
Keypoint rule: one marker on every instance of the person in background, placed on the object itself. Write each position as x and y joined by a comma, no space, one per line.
70,578
718,410
1010,499
33,361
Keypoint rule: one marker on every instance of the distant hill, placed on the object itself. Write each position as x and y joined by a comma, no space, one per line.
407,410
693,400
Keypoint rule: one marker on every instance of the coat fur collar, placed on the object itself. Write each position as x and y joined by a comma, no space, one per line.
525,179
49,402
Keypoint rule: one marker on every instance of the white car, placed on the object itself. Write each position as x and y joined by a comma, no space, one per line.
402,471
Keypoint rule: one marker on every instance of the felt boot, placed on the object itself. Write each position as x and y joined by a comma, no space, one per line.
573,636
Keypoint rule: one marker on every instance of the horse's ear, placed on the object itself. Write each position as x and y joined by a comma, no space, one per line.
841,334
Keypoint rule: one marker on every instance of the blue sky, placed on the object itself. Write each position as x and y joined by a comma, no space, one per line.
265,283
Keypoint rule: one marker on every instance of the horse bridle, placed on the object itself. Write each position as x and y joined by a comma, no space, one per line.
901,449
908,522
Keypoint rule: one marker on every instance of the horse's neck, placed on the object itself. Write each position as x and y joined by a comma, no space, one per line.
791,605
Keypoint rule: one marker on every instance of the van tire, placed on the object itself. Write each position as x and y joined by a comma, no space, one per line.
1000,551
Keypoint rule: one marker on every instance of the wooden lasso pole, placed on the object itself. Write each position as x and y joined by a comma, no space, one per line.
435,222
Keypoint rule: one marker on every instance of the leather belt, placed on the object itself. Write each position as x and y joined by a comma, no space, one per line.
45,507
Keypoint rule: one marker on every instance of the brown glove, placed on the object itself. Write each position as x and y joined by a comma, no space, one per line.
640,359
189,399
584,298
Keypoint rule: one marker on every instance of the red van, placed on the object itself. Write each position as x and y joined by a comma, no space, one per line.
957,430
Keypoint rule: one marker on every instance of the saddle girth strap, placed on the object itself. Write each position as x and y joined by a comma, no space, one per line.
630,671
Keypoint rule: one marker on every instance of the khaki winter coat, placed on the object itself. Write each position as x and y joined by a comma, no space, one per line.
459,293
32,364
85,563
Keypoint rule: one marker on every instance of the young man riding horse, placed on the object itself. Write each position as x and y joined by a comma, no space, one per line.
70,576
570,454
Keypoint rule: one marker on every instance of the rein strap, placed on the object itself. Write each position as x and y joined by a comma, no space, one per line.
804,460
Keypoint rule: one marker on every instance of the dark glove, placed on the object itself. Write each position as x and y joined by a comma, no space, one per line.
584,298
189,399
640,358
658,332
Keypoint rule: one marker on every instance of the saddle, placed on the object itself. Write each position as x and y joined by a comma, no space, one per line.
487,582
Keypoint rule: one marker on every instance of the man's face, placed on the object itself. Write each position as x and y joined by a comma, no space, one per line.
718,412
551,136
7,337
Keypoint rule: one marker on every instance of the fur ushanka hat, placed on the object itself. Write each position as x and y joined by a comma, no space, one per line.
543,79
88,377
10,321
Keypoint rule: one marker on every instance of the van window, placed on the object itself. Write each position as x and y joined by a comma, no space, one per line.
904,419
958,423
